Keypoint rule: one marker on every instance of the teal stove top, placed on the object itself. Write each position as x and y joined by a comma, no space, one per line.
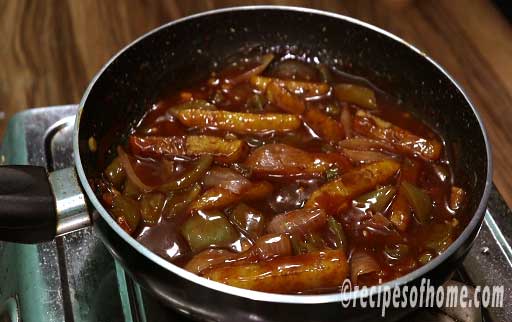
74,279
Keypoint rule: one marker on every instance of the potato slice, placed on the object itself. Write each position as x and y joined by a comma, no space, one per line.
306,89
286,274
284,99
282,159
218,197
214,198
403,140
226,151
240,123
336,195
323,125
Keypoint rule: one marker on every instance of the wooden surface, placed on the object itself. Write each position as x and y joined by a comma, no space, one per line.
51,49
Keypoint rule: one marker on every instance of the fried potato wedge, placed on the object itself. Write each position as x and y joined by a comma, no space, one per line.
282,159
324,126
356,94
223,150
284,99
336,195
405,141
304,89
218,197
240,123
286,274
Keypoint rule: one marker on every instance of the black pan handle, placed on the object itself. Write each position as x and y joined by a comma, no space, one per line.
27,205
36,206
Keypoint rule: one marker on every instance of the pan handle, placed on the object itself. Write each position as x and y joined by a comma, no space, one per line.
36,207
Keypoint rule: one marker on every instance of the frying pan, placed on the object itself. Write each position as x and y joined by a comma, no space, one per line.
36,206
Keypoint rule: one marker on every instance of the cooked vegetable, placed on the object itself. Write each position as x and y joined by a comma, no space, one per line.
209,258
126,213
270,246
151,206
264,62
314,242
249,220
256,103
193,104
362,263
340,240
365,144
374,127
218,197
131,190
365,156
359,95
281,159
456,197
419,200
240,123
288,274
298,221
305,89
268,173
115,172
401,211
379,199
130,172
226,178
425,258
267,247
294,69
324,126
178,202
284,99
193,145
214,198
439,237
205,229
257,190
346,121
337,194
189,177
396,251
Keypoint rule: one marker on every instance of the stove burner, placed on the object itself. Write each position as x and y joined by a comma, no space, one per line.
74,279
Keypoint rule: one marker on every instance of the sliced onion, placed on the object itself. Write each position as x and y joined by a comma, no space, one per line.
298,221
265,61
295,69
272,245
362,263
130,171
226,178
365,144
365,156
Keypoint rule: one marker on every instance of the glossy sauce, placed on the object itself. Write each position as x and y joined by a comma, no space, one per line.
394,252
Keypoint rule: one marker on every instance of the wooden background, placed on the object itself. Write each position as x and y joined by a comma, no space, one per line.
51,49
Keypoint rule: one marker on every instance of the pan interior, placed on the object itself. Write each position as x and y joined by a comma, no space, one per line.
179,53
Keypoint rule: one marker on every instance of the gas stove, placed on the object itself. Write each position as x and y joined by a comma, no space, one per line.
74,278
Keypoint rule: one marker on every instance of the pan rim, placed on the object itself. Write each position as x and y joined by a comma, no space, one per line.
273,297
